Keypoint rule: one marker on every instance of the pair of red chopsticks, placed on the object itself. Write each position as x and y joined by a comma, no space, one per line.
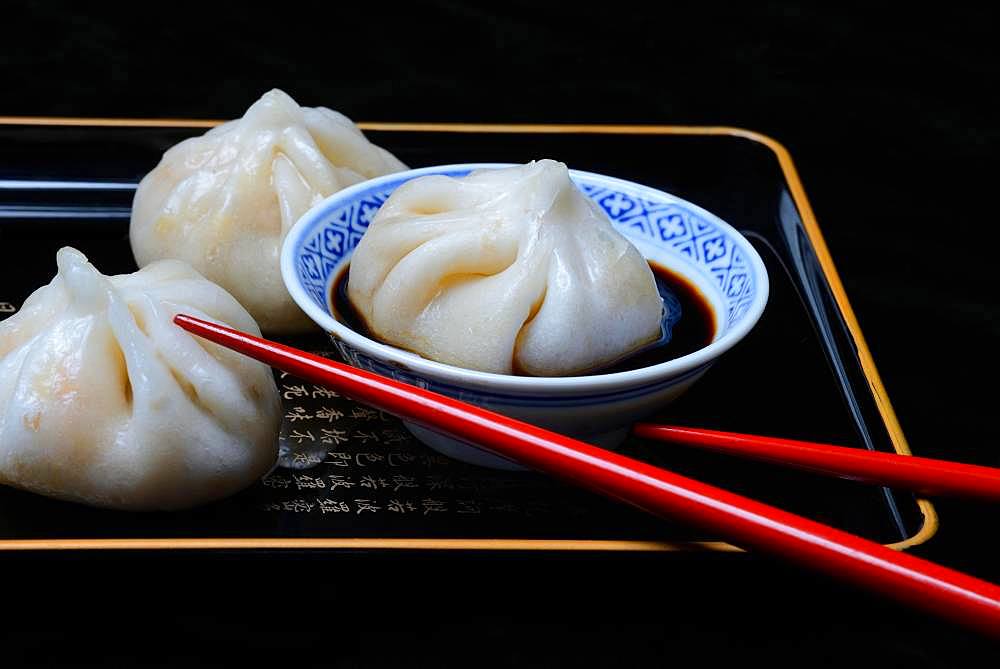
740,520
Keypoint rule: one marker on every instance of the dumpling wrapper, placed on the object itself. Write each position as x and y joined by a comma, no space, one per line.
106,401
508,271
223,202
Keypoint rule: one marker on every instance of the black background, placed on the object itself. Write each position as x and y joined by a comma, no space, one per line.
891,117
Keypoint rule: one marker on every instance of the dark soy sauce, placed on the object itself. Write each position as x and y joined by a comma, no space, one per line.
688,321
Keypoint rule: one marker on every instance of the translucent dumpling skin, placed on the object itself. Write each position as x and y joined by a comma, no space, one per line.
506,271
105,401
223,202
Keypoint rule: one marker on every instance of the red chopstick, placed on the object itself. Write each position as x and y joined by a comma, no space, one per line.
923,475
945,592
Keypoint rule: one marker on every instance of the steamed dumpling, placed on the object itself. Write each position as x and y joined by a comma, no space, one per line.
508,270
224,202
103,400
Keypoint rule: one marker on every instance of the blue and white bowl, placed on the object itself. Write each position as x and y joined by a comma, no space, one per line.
599,409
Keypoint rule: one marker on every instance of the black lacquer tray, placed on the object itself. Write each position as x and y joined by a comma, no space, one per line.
353,478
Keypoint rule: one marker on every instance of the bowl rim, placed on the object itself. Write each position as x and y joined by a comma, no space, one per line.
596,383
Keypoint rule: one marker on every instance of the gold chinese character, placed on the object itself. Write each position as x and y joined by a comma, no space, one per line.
276,481
433,506
324,392
440,482
329,414
397,459
366,505
294,391
397,506
327,505
299,437
400,481
305,481
365,459
338,481
306,460
297,413
333,435
365,437
338,459
368,481
298,506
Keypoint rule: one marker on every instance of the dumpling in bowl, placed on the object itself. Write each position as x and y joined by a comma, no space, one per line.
224,201
105,401
508,271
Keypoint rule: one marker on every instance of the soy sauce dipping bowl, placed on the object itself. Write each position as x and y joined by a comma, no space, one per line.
598,408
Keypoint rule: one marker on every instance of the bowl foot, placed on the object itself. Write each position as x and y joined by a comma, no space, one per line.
465,452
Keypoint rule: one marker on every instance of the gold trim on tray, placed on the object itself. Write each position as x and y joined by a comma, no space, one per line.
927,530
377,543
